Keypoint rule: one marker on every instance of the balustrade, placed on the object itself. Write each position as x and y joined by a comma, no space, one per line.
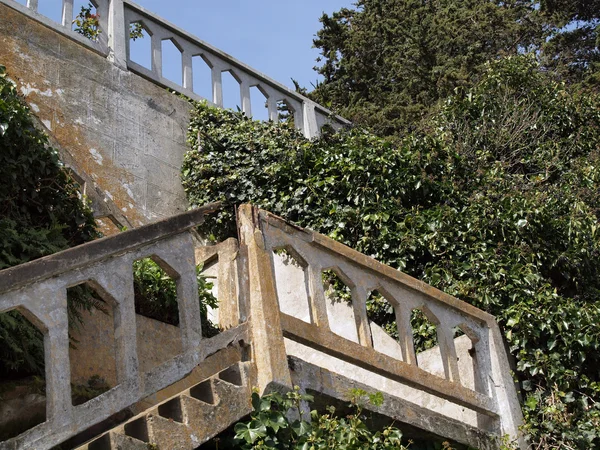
39,291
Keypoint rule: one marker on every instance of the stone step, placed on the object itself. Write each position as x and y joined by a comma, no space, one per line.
187,420
169,434
115,441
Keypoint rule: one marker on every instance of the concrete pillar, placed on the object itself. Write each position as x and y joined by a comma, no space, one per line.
188,79
157,55
118,34
217,86
272,106
318,305
311,129
67,13
405,336
33,5
56,355
229,314
246,103
359,304
268,347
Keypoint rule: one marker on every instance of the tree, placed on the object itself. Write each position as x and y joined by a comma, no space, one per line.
495,200
386,63
572,46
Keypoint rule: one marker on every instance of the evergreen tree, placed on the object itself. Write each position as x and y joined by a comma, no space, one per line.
386,63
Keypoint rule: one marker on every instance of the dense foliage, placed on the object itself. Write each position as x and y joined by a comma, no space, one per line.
386,63
41,212
156,295
280,422
496,201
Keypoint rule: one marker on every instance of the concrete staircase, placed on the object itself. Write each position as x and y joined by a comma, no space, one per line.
186,420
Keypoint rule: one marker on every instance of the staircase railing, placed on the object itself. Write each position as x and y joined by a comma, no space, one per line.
491,394
38,290
252,313
114,21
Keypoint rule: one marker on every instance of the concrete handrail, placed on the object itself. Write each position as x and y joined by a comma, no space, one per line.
39,291
309,117
114,21
491,396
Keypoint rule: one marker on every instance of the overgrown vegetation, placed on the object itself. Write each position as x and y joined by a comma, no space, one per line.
156,295
282,421
496,201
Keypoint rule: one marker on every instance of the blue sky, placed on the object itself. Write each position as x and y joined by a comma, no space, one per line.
273,36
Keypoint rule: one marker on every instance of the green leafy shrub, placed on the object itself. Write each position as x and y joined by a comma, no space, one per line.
156,295
278,422
496,201
87,23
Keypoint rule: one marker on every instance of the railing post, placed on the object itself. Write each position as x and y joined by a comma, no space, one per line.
188,76
118,36
229,313
67,13
56,355
405,334
272,107
246,103
33,5
311,129
217,85
318,305
268,347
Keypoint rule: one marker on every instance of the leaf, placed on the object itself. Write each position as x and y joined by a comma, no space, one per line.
249,432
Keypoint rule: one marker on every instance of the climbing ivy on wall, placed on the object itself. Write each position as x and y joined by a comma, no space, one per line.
41,212
497,202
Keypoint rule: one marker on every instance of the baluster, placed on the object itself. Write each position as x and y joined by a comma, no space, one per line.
117,279
157,55
310,126
188,78
187,296
229,314
405,334
272,106
217,86
103,11
448,352
482,362
67,13
33,5
56,354
318,305
359,304
299,117
117,33
246,103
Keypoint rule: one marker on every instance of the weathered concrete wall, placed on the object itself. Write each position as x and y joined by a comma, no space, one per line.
94,353
126,133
